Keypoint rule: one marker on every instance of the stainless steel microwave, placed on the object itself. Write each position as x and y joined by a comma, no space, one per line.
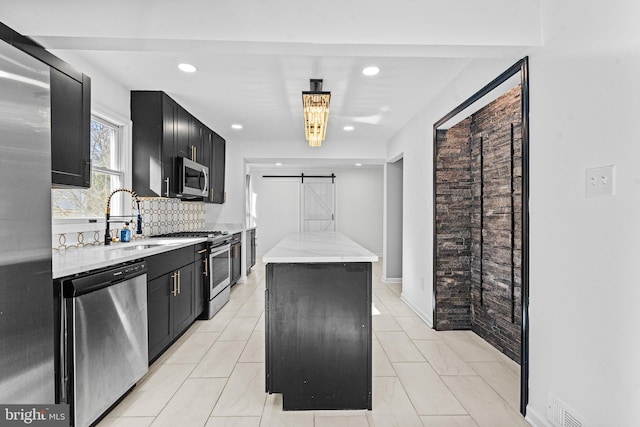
193,178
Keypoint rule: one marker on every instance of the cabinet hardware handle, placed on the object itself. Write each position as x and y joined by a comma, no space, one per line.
202,251
166,180
195,153
178,275
206,267
174,291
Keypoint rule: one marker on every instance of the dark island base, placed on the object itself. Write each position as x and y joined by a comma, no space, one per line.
318,335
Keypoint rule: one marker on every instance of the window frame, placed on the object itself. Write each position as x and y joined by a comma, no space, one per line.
124,126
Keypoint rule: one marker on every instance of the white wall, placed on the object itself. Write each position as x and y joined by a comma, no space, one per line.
359,205
276,207
238,152
584,280
583,277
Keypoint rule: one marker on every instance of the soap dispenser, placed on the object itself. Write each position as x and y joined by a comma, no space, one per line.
125,233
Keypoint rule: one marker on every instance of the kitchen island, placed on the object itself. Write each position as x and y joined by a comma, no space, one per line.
318,322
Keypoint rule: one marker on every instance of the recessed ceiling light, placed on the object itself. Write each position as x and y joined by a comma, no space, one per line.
358,164
371,71
187,68
348,128
236,126
278,164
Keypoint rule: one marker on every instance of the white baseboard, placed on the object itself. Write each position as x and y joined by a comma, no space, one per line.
416,310
391,279
535,419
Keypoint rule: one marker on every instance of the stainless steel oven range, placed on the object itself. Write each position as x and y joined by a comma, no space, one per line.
218,291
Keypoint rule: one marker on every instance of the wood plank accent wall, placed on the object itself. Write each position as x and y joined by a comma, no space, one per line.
478,224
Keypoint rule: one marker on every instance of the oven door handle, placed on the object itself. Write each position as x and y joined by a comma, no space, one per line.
220,250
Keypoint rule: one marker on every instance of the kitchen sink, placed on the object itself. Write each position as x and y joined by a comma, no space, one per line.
136,247
140,247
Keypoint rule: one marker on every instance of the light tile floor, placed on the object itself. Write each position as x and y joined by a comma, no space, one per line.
213,376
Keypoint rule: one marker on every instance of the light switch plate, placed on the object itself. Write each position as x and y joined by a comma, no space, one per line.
600,181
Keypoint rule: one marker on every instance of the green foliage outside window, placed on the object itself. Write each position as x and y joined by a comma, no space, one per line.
105,177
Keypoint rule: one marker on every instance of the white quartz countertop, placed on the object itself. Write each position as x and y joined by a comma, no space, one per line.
325,246
73,261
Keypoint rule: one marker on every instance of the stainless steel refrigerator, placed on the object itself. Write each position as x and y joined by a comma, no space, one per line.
27,374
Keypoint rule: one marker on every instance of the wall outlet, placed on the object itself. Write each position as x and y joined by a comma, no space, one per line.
422,283
600,181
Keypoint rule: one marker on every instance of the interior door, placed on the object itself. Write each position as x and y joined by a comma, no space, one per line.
317,205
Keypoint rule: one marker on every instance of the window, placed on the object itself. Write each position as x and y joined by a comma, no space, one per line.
107,174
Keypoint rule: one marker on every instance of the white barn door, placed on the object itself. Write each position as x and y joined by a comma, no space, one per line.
317,205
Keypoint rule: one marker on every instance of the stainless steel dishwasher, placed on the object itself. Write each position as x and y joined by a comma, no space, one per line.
104,338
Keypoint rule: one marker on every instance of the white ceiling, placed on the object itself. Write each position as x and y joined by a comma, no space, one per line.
255,57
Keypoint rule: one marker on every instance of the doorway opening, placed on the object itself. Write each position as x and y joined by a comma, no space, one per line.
481,220
392,267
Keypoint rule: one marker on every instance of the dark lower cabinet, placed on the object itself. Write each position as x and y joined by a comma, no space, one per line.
183,299
236,259
251,249
171,297
201,277
159,315
318,335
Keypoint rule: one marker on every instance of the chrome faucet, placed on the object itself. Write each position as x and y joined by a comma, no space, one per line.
108,220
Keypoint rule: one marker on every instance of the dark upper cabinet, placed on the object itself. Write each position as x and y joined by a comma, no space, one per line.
196,134
164,131
70,114
218,171
183,125
168,183
155,129
70,130
205,156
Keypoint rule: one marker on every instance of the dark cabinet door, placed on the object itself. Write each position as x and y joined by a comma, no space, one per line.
251,249
160,323
70,130
182,133
169,184
196,133
207,158
182,300
218,172
236,262
201,278
154,150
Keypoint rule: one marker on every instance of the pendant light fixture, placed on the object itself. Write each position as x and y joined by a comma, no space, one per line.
315,104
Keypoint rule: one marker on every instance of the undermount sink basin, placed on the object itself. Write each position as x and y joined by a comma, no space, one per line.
140,247
137,247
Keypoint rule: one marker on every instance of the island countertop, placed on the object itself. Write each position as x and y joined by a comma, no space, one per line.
321,246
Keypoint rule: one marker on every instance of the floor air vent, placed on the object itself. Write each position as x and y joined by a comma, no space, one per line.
560,415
